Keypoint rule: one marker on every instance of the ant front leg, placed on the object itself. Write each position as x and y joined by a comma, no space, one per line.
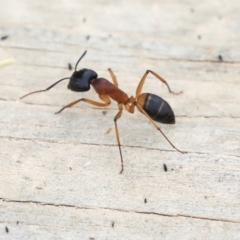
115,82
105,98
140,85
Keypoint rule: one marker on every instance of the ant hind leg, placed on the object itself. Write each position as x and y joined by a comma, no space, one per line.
140,85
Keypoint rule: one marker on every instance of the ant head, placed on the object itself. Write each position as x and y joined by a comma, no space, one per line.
80,80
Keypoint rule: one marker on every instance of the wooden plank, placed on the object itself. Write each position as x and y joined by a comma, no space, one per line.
59,173
218,135
212,93
188,189
75,223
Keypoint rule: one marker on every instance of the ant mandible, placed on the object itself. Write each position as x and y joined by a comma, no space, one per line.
152,106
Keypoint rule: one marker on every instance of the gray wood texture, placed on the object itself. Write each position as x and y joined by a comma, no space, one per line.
59,174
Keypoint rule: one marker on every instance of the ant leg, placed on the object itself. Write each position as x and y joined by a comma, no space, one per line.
115,82
140,85
158,128
105,98
130,108
130,105
119,114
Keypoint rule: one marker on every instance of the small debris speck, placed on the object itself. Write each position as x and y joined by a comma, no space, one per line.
108,131
145,200
4,37
220,58
6,228
70,66
17,222
87,164
165,167
113,224
199,37
84,20
87,37
6,62
70,168
104,112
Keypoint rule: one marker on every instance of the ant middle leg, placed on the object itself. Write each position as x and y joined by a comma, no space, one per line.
140,85
105,99
119,114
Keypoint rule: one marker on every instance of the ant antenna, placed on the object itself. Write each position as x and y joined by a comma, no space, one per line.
45,89
57,81
80,59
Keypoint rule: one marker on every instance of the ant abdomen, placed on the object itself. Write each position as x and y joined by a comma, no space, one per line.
157,108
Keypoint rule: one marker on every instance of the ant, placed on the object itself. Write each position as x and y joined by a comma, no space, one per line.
152,106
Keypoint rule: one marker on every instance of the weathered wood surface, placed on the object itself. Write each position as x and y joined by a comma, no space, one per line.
59,173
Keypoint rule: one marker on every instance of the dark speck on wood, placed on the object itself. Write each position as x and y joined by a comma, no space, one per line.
165,167
4,37
220,58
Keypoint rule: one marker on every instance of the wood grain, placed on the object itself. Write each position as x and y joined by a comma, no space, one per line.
59,173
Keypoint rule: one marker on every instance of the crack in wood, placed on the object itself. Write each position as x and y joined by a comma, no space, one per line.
118,210
124,46
111,145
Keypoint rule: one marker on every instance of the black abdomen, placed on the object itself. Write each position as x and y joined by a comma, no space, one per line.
158,109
